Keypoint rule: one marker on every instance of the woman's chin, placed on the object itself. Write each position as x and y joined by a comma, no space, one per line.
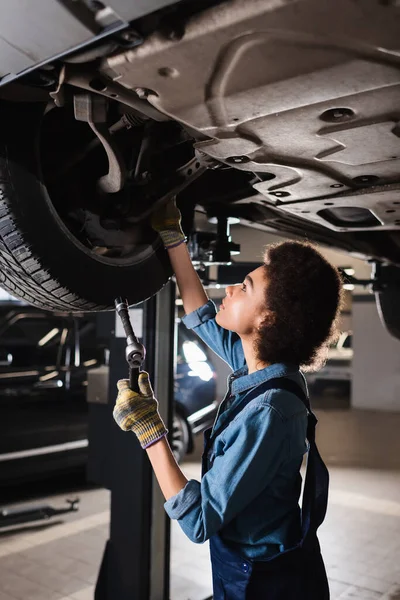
220,320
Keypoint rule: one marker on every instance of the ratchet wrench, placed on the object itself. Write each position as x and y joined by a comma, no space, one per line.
135,352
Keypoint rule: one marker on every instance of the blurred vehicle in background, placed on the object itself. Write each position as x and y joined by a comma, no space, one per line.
334,379
343,348
44,363
194,391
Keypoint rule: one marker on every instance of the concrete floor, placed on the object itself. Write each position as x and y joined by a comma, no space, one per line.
360,541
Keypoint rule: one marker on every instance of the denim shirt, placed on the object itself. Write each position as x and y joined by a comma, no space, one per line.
251,490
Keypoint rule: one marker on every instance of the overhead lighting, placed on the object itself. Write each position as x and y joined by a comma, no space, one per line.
349,271
179,302
348,286
48,376
18,374
49,336
89,363
231,220
6,360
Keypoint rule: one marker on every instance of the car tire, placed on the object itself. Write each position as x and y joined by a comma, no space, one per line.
388,299
40,261
180,437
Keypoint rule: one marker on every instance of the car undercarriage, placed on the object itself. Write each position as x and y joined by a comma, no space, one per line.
281,113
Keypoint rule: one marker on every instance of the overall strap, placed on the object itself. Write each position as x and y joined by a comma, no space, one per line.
315,496
233,413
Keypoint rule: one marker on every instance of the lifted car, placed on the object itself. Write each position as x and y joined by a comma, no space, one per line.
283,113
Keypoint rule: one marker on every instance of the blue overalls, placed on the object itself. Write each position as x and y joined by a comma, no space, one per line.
298,573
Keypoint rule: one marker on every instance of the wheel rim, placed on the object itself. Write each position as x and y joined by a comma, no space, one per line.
113,241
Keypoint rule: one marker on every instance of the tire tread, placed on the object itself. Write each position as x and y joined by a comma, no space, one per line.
22,273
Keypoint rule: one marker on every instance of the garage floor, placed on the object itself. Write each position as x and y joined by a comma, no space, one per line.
360,541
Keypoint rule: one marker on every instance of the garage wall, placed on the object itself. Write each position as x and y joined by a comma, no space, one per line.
359,438
376,362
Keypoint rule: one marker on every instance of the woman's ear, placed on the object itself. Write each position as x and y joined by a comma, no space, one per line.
265,319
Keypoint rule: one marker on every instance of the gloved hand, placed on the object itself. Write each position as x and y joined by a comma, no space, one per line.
138,412
167,222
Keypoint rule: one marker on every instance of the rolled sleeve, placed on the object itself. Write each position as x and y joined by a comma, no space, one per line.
226,344
177,506
201,315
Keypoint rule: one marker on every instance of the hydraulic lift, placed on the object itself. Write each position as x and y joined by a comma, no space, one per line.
135,563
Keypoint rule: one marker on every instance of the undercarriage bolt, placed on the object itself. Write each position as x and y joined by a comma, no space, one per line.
238,159
141,92
366,179
280,194
130,36
337,114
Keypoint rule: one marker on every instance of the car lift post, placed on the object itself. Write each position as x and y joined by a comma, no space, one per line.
135,563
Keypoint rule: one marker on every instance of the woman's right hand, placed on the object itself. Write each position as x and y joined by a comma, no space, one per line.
167,222
138,411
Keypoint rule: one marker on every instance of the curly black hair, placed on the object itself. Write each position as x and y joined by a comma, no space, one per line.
303,297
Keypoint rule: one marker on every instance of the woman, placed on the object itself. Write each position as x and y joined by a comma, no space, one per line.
280,318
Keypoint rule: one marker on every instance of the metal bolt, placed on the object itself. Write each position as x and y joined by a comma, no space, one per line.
141,92
129,36
238,159
280,194
337,185
168,72
366,179
337,114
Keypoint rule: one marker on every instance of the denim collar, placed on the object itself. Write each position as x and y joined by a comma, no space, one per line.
241,381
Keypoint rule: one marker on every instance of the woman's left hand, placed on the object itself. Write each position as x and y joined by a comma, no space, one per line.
138,411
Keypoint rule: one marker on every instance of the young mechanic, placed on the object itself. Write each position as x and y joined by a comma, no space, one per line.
283,315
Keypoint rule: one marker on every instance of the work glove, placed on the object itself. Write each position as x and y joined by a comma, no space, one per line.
167,222
138,411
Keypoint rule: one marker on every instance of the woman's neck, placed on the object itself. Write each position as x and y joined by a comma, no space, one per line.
253,362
